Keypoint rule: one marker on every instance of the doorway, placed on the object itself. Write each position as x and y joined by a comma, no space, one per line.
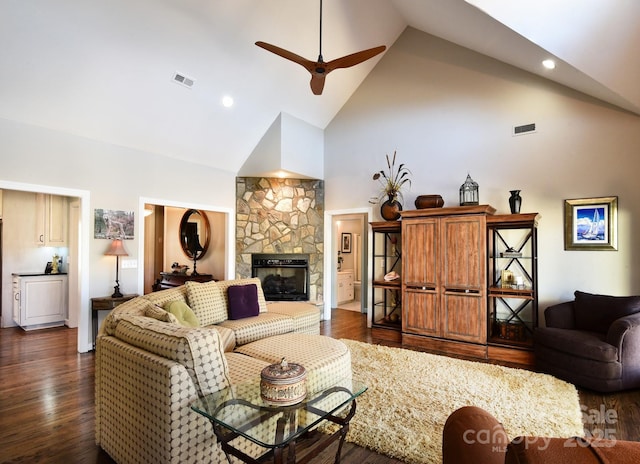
349,282
160,247
77,257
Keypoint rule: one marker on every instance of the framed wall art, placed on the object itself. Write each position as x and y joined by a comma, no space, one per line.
346,242
591,224
110,224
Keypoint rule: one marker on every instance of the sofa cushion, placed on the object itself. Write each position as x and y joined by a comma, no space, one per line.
227,336
243,368
243,301
207,300
198,349
264,325
306,316
587,345
224,284
170,294
597,312
183,313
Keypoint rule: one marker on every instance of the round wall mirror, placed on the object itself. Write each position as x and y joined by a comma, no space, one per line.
195,233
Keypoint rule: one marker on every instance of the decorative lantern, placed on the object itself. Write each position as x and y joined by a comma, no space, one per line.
469,192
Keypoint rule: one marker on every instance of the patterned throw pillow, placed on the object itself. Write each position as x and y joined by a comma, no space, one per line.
207,300
243,301
183,313
160,314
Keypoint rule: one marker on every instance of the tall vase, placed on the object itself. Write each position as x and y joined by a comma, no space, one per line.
515,201
390,209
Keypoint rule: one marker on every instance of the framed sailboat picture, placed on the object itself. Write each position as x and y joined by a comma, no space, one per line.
591,224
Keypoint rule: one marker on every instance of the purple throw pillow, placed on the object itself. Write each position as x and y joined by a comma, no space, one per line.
243,301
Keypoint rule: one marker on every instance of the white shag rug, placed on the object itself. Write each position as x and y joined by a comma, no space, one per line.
410,395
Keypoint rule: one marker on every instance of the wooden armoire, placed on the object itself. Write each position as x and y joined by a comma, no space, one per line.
444,279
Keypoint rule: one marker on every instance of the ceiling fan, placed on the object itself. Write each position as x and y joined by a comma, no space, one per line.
319,69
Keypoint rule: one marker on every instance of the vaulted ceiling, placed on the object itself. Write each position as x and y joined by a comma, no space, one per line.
104,69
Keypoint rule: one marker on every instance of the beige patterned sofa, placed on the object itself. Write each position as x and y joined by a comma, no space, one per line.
150,368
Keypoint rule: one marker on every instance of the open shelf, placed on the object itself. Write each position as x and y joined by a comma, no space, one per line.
387,305
513,312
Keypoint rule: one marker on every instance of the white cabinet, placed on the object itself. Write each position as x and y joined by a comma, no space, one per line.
345,286
52,217
39,300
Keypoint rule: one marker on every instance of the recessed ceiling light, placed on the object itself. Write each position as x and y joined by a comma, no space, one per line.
549,64
227,101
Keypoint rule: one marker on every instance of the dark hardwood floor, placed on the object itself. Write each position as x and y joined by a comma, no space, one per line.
46,399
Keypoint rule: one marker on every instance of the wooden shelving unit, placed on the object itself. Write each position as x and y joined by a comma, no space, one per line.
513,286
386,318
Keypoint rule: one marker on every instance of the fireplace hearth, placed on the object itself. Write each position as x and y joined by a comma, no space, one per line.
284,277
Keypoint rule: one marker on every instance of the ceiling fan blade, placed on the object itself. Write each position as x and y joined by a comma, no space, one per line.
354,58
307,64
317,83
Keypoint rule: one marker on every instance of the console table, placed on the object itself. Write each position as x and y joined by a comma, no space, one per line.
173,279
105,303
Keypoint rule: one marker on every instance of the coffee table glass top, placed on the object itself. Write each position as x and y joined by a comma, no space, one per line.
241,410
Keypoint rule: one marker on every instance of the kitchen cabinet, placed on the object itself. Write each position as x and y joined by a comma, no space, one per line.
345,286
444,279
52,218
39,300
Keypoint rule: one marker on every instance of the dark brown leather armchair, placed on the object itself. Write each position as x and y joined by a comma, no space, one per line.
472,435
592,342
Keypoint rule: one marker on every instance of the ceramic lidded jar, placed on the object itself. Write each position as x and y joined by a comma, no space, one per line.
283,384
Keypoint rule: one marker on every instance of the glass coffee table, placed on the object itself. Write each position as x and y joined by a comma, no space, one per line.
239,411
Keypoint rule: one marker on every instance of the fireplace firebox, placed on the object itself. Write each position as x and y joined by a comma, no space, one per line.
284,277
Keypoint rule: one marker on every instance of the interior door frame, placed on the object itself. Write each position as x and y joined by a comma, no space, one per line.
331,242
230,248
78,251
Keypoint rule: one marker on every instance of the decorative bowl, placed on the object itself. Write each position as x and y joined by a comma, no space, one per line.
429,201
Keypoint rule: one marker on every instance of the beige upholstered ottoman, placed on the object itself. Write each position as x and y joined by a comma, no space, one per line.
326,359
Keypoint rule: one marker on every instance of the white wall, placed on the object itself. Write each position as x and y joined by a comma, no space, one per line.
116,178
449,111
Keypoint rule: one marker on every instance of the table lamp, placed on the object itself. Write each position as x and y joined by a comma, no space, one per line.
195,248
116,249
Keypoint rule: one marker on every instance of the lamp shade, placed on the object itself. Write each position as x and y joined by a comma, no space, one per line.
116,249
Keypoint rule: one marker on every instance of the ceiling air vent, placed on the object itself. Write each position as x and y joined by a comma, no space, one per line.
181,79
524,129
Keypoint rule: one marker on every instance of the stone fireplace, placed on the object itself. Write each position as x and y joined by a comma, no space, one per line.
281,216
